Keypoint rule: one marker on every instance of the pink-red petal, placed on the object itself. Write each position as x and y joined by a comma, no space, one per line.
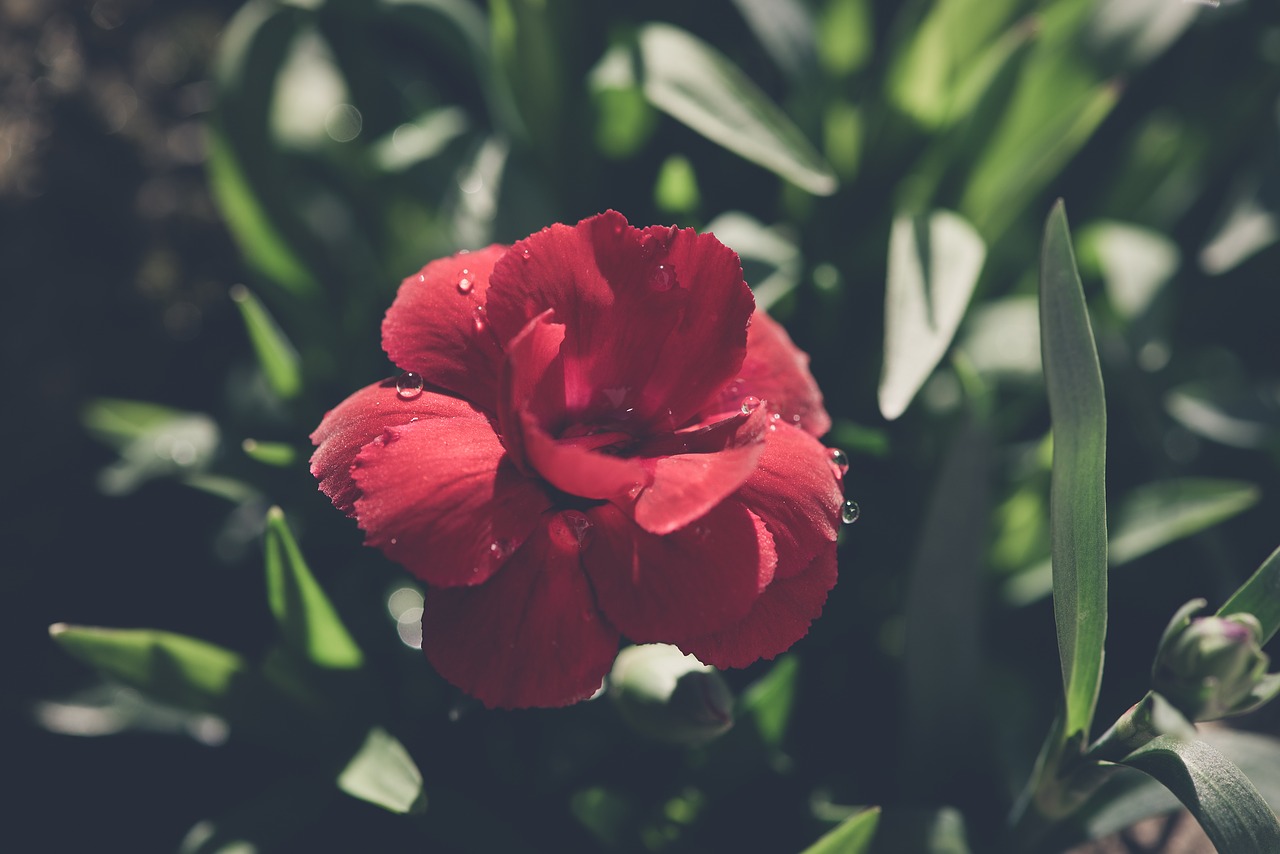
776,371
780,617
360,419
441,497
655,319
531,635
432,330
700,579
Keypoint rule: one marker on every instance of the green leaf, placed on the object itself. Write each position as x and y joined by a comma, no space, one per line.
934,263
785,30
276,356
767,702
845,36
269,822
117,422
694,83
1228,410
1150,517
270,453
953,54
1260,596
383,773
308,621
942,659
1056,108
172,668
1157,514
851,836
252,51
526,49
1217,793
1135,263
1077,494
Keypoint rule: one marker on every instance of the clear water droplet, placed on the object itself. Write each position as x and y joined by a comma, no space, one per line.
413,419
524,253
464,283
480,319
502,548
409,385
663,278
579,525
421,278
850,511
839,461
750,404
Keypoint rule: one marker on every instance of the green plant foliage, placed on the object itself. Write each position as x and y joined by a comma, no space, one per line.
1222,799
309,624
1077,504
934,263
382,773
276,356
853,836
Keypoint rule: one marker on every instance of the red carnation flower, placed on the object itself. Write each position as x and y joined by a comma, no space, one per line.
596,434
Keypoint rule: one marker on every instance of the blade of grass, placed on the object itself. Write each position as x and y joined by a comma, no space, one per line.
1077,495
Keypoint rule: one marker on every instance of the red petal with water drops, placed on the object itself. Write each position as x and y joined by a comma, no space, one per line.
441,497
702,578
431,327
776,371
780,617
796,490
532,635
655,319
359,420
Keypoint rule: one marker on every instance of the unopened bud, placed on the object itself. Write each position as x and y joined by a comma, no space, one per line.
669,696
1210,667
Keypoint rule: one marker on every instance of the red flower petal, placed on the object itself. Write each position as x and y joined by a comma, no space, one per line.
795,489
359,420
701,578
531,635
777,372
779,618
441,497
431,327
685,486
655,320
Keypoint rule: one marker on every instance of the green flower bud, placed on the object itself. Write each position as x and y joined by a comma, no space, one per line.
669,696
1210,667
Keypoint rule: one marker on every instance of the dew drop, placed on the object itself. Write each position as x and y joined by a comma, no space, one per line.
663,278
850,511
409,385
750,404
579,525
524,253
464,283
480,319
501,549
421,278
839,461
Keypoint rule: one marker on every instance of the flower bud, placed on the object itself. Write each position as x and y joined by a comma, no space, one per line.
1210,667
669,696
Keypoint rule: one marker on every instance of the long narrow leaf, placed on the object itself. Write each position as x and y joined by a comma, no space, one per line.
1260,596
1077,497
383,773
696,84
276,356
308,621
1217,793
934,263
852,836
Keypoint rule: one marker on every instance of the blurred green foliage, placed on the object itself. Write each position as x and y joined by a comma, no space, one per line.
884,170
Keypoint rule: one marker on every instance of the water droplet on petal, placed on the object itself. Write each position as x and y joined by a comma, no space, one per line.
409,385
850,511
663,278
480,319
524,253
421,278
501,549
464,283
750,404
839,461
579,525
413,419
